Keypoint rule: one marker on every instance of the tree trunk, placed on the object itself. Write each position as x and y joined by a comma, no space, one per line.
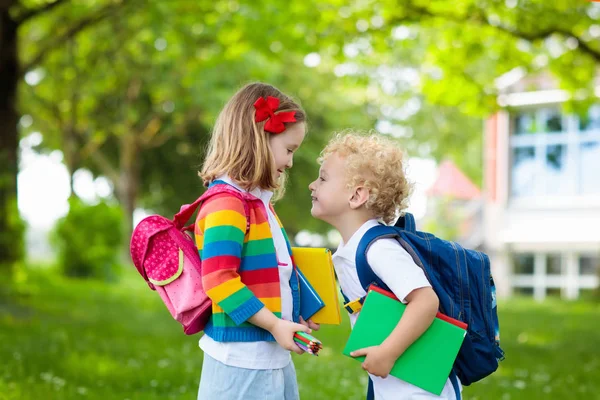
71,145
128,185
71,156
11,226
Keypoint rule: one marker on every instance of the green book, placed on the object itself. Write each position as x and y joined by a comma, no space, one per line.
428,361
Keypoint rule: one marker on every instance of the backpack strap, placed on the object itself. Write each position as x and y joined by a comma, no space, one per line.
216,187
407,222
454,380
365,273
366,276
186,212
370,390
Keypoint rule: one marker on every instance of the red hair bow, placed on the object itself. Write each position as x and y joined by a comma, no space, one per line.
265,109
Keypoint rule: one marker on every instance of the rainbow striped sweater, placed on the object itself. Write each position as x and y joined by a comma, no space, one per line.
239,265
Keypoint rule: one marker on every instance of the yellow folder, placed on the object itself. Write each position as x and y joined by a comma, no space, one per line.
317,267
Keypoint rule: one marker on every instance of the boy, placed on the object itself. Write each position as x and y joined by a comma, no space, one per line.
362,180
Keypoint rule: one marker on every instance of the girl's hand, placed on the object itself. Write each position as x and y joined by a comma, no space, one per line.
283,331
310,324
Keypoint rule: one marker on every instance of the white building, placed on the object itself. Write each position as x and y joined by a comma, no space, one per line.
542,192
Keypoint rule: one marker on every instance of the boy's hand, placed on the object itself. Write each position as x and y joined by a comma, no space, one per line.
378,361
310,324
418,316
283,331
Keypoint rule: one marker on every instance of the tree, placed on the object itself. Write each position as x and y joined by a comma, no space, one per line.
147,87
14,64
447,56
464,46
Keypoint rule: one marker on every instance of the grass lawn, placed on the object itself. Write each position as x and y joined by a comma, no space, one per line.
65,339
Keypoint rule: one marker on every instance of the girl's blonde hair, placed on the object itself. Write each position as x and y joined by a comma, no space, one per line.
377,163
239,146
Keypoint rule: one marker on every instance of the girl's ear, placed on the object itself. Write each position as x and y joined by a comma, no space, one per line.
359,197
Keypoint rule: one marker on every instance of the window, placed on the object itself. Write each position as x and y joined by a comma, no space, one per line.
523,264
523,291
590,154
591,121
553,292
553,264
524,171
555,154
588,265
554,274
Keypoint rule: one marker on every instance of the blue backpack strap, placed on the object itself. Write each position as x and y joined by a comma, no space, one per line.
370,390
407,222
364,271
366,275
454,381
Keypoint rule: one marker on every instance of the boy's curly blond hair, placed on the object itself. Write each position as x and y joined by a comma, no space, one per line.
377,163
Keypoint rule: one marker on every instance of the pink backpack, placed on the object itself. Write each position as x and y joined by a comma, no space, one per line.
166,257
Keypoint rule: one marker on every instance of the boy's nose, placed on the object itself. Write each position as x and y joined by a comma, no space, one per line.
311,186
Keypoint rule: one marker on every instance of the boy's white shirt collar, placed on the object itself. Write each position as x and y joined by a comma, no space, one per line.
264,195
348,250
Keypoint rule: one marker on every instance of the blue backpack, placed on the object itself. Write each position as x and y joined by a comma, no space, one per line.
463,282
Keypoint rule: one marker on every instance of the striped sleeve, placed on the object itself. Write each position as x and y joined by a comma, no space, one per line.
220,231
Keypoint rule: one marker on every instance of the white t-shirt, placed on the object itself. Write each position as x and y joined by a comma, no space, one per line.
259,355
396,268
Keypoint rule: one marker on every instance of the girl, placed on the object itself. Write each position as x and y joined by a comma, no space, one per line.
247,270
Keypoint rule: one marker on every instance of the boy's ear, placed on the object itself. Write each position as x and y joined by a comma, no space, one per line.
359,197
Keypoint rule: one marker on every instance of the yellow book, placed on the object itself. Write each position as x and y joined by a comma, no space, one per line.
317,267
